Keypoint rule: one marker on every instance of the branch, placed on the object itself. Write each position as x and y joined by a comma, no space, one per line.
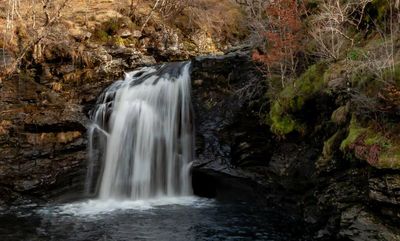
42,33
149,16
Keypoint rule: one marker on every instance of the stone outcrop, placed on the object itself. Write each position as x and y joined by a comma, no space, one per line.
42,141
338,199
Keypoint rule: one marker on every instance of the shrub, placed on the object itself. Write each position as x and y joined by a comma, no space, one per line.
283,35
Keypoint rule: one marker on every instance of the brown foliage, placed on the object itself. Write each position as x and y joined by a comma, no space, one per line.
283,36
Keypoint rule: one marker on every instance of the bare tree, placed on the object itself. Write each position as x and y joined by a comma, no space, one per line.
169,8
52,12
328,27
380,59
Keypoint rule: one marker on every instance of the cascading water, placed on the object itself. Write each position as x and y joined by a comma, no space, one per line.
142,130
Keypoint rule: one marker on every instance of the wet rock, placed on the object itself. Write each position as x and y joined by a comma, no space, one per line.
358,224
385,189
300,173
288,156
42,143
24,185
230,139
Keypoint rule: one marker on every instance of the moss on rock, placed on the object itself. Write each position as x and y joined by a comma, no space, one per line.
379,149
355,131
292,99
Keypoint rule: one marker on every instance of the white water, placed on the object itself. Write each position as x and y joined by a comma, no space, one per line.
142,131
97,207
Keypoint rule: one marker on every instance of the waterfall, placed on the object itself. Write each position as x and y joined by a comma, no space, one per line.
142,133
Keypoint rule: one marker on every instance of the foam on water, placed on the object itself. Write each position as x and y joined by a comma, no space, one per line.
99,207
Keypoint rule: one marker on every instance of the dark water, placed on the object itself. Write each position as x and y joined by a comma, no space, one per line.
183,219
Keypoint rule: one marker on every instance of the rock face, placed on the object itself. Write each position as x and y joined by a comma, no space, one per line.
337,199
229,134
42,141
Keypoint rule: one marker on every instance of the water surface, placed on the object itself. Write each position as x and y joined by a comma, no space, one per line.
175,219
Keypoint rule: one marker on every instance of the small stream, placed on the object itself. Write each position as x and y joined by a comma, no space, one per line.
175,219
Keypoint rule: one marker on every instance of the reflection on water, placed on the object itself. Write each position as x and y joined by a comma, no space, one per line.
174,219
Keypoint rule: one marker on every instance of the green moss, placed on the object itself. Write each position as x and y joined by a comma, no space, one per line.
119,41
390,159
377,139
296,103
283,124
389,145
312,80
355,131
291,100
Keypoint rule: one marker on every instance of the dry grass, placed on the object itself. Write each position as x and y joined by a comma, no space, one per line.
29,28
222,19
218,18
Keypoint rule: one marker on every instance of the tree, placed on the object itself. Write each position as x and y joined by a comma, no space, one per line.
329,26
283,36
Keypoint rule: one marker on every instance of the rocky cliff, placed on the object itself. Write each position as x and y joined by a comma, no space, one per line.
337,196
